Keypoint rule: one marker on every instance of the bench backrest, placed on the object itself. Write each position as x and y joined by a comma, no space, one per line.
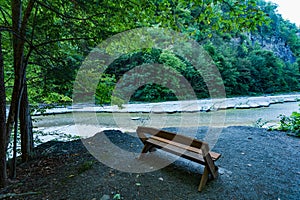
141,131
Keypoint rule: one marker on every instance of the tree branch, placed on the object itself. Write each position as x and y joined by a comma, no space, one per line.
68,16
6,28
26,16
62,40
9,29
9,78
3,12
31,46
34,24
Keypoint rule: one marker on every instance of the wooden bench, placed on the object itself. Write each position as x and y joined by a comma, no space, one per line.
191,149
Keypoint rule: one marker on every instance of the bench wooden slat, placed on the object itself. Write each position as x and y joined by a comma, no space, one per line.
183,146
214,155
177,151
168,135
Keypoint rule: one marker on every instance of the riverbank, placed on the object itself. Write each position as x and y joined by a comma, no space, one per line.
255,164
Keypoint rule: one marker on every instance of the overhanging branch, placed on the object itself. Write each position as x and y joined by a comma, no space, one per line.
68,16
62,40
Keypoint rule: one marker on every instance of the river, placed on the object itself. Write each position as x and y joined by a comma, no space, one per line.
86,124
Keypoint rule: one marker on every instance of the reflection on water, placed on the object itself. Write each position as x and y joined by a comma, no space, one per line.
87,124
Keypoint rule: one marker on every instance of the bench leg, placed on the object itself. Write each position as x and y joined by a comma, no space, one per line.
204,179
146,148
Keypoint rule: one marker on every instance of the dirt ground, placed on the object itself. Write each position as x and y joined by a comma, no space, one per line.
255,164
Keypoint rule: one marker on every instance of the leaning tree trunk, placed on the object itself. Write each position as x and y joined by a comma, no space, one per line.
25,126
3,173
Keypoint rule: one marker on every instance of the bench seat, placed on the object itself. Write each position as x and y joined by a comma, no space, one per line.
190,153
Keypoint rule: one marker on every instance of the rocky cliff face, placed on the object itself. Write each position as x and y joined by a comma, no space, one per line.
275,44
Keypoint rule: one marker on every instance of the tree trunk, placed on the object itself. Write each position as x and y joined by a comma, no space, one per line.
25,127
18,52
3,175
19,34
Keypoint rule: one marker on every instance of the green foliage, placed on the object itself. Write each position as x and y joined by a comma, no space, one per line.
55,97
268,71
153,93
104,89
249,69
169,59
150,92
290,124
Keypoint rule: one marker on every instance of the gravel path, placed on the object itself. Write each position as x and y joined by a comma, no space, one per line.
255,164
